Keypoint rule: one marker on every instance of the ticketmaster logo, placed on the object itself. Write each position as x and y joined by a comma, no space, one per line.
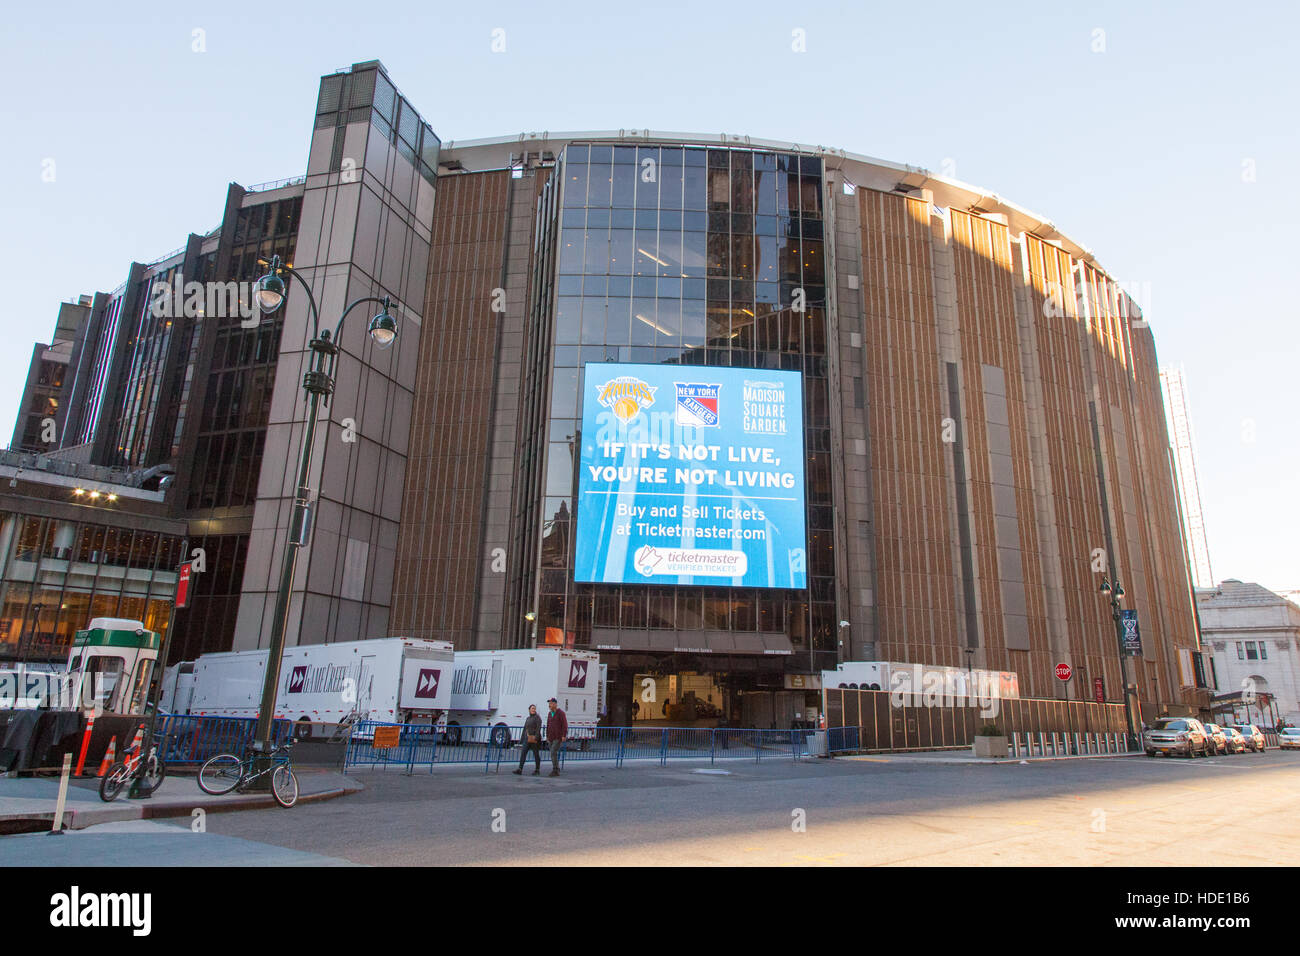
652,561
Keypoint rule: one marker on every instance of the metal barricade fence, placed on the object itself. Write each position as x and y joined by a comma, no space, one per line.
191,739
425,746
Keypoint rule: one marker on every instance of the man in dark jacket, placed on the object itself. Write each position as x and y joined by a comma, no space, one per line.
532,741
557,731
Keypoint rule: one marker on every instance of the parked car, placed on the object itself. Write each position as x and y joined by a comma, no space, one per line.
1288,738
1236,743
1253,736
1217,738
1178,735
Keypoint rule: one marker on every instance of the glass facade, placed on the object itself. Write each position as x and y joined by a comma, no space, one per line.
232,422
56,575
694,256
104,345
43,403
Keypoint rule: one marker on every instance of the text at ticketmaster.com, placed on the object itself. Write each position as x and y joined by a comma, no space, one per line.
1195,910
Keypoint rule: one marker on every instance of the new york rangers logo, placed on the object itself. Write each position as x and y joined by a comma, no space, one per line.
697,404
578,674
427,684
297,678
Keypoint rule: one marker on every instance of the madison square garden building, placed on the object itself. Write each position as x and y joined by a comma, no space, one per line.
729,411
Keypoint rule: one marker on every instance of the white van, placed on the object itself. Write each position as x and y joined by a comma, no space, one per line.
491,691
322,686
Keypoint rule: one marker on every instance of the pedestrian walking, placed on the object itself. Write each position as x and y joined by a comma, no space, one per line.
532,741
557,731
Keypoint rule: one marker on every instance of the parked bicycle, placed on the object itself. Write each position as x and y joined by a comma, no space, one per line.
223,773
124,771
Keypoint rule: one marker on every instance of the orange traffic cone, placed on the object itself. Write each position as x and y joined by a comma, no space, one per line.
110,755
136,741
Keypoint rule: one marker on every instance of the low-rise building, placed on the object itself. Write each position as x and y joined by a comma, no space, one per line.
1255,637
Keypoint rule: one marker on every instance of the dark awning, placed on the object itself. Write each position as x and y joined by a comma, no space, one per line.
691,642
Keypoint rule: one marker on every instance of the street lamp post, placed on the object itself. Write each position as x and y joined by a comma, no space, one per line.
318,384
1116,596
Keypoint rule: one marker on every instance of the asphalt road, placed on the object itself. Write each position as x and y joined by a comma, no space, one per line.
872,810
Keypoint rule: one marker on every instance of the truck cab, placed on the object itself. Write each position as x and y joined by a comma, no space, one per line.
111,665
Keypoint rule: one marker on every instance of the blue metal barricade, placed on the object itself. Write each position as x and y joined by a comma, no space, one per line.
191,739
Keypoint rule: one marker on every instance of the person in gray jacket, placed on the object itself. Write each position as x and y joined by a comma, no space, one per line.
532,741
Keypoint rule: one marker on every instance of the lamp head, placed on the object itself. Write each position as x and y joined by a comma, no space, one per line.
383,328
269,290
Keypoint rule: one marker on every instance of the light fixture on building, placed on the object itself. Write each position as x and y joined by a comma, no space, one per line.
78,491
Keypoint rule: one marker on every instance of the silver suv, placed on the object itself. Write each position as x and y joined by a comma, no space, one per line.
1177,735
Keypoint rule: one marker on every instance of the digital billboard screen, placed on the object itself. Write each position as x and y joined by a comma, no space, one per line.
691,475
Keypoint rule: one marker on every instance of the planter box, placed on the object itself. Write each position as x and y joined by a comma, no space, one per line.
990,746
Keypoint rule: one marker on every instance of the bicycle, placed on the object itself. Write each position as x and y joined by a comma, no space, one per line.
223,773
123,771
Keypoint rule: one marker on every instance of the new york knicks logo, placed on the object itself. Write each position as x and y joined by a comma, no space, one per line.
625,396
697,404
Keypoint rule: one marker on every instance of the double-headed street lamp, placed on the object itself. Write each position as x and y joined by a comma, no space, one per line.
1116,595
318,384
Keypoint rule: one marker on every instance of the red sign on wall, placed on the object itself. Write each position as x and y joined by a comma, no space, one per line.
1099,689
183,585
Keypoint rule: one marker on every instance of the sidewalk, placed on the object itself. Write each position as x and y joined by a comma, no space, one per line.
966,756
28,802
146,843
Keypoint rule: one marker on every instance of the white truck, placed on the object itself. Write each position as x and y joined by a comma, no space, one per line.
915,678
491,691
323,686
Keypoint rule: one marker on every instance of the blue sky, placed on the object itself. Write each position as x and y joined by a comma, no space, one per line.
1172,153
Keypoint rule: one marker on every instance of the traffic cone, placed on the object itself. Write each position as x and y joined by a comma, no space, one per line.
110,755
136,741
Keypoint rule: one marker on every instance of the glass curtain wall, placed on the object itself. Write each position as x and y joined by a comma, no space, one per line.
56,575
694,256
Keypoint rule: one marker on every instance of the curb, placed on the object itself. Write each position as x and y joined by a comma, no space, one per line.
981,761
83,819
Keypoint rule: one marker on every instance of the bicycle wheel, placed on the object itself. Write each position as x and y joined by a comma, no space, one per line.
111,784
220,774
154,773
284,786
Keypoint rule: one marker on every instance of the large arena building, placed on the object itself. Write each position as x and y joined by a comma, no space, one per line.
730,411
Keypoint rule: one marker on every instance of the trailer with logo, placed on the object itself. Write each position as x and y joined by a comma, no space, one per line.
491,691
323,687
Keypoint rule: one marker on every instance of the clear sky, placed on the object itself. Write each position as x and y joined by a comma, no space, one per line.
1163,136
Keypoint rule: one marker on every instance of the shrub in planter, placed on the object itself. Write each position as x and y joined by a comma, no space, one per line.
990,741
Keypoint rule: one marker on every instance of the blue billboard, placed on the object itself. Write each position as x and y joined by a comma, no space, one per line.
691,475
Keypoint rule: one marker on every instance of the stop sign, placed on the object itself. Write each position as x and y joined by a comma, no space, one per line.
1063,671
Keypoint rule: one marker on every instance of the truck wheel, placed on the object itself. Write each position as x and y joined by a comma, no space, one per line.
501,736
452,736
302,729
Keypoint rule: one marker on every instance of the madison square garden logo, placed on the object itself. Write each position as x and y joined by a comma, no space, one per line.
578,673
